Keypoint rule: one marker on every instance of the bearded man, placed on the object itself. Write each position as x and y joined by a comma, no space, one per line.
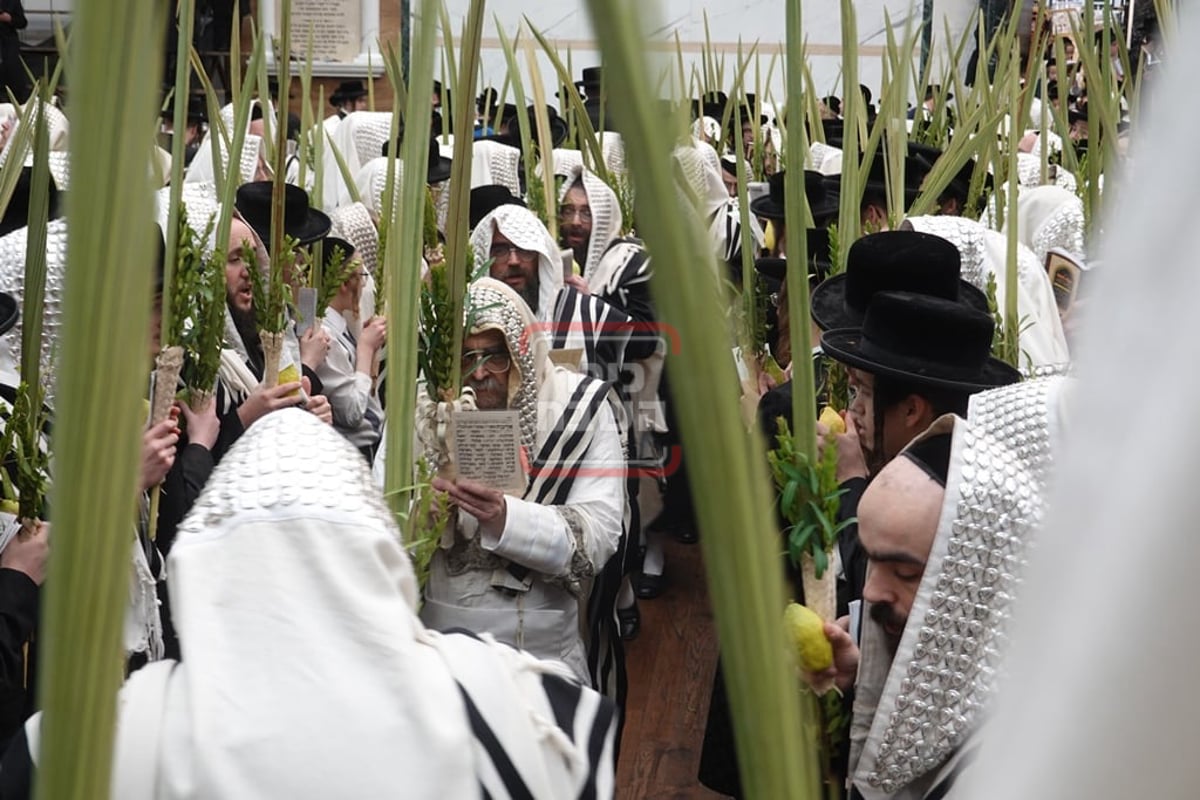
241,397
946,526
520,567
589,218
522,254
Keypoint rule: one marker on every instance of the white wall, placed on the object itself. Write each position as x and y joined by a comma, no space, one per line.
566,23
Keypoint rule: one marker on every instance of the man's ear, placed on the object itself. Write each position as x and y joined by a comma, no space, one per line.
918,414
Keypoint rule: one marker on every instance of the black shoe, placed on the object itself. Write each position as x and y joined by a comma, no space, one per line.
647,586
629,621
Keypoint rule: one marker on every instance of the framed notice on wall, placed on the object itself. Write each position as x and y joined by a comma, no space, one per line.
336,26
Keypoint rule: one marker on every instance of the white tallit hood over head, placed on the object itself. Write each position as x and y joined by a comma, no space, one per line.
304,669
1050,217
607,219
522,227
942,677
985,253
498,308
202,169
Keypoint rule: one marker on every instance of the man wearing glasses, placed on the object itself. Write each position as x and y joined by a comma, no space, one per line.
520,566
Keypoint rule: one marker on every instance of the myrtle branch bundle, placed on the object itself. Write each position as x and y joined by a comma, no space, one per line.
197,316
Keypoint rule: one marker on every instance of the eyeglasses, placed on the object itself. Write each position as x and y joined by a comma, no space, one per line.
567,213
500,252
494,361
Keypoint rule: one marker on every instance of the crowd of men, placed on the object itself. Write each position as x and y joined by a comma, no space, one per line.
275,614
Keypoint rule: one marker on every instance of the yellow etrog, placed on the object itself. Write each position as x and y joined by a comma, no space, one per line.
807,634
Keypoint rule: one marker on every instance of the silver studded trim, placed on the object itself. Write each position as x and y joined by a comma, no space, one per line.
965,234
500,163
1024,417
270,469
353,223
951,652
374,191
368,130
1062,228
12,281
497,308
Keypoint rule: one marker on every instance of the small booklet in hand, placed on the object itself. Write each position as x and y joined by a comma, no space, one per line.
486,447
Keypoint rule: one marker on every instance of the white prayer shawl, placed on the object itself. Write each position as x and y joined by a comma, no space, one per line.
698,179
984,254
569,522
607,219
905,729
1050,217
566,161
356,411
358,139
522,227
495,163
354,224
201,170
295,603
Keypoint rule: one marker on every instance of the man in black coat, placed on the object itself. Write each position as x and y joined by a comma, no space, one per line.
12,71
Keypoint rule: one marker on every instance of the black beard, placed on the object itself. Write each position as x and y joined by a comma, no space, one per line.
884,614
247,329
530,293
581,254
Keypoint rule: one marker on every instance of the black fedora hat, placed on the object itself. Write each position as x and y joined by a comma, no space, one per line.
923,340
300,221
590,78
486,199
559,129
437,166
346,91
820,262
16,214
197,109
710,104
892,261
820,193
916,168
960,184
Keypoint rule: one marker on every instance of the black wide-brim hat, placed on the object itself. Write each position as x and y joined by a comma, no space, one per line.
589,78
892,261
559,131
9,312
437,164
301,222
819,258
347,90
922,340
820,193
486,199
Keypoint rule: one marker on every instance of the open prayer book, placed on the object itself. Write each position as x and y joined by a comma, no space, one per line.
486,447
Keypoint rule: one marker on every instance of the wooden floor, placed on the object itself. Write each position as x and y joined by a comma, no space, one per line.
671,666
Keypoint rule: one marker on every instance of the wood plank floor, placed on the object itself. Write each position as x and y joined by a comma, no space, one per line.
671,666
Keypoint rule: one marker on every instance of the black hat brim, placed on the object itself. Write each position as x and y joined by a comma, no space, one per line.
829,310
9,312
844,345
314,228
767,208
439,172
